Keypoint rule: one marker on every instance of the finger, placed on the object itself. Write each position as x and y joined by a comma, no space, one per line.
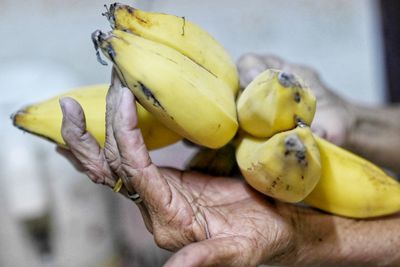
272,61
330,120
111,151
82,144
212,252
136,164
313,80
249,67
318,130
66,153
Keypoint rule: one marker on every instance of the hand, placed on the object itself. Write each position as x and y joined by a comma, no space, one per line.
208,220
333,118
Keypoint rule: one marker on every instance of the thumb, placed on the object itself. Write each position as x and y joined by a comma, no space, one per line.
224,251
249,66
329,123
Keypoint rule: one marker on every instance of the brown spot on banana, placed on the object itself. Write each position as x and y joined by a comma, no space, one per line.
141,20
288,80
183,25
150,96
297,97
293,144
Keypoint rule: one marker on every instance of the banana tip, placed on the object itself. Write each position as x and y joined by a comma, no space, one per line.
16,117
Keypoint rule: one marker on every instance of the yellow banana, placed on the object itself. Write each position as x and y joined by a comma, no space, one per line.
352,186
285,166
275,101
180,93
179,34
349,185
44,119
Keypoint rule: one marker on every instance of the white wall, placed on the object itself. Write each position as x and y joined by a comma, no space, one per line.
340,38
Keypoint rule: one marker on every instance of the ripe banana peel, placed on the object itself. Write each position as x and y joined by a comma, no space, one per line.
352,186
286,166
273,102
45,118
180,93
345,184
181,35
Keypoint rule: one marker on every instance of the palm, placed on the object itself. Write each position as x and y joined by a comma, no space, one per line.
226,209
216,220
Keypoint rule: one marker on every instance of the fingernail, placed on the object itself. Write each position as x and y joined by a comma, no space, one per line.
62,105
66,104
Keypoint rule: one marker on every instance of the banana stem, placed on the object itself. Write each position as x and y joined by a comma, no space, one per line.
109,14
98,38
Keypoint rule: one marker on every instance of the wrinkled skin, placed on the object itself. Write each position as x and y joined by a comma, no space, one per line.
221,221
333,118
208,220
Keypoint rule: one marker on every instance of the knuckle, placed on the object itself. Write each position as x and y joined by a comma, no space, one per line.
84,136
164,240
67,134
248,60
95,178
95,171
112,158
272,61
130,172
307,72
74,133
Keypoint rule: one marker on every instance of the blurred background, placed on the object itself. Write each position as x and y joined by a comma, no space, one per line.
51,215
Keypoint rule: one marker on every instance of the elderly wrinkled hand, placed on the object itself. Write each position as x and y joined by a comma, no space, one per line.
210,220
332,119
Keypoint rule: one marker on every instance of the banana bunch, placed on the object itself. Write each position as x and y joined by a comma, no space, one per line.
45,118
180,93
184,79
176,70
287,162
276,157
